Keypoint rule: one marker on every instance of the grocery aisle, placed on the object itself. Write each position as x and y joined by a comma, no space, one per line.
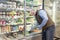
15,15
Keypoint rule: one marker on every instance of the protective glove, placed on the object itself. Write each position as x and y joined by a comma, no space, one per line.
39,27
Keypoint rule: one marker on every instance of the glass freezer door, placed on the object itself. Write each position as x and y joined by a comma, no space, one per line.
53,9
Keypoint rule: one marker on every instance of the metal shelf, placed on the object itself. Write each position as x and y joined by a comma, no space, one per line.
16,24
11,9
18,9
9,32
6,16
21,3
5,1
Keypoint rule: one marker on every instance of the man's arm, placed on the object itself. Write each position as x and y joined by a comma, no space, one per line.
35,24
43,15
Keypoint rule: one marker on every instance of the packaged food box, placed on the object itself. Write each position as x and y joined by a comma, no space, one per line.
21,27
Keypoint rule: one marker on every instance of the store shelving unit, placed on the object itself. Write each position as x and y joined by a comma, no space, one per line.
14,15
8,14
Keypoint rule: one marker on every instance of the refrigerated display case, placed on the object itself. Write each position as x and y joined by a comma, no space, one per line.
57,18
14,16
53,9
11,21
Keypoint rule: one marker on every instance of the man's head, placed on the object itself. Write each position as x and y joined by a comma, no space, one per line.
33,12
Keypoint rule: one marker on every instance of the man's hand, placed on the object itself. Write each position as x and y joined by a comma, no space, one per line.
39,27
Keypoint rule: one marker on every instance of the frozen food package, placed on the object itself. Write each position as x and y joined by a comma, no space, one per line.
21,27
28,27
